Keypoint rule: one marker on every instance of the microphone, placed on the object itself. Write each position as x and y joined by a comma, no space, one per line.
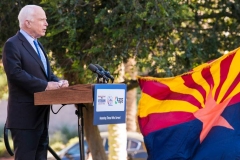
105,72
94,69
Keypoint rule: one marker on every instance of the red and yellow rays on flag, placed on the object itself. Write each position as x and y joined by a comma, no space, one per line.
202,93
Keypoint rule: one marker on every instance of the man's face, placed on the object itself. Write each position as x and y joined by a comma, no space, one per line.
38,25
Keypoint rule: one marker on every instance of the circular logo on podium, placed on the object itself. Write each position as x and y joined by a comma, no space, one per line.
110,101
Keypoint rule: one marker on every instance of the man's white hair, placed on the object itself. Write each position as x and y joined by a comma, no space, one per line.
26,13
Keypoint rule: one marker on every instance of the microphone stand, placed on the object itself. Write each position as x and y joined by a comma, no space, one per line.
53,153
100,79
79,113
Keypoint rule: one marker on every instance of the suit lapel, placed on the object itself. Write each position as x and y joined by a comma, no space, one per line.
32,52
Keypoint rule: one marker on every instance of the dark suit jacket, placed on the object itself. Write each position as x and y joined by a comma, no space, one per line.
26,76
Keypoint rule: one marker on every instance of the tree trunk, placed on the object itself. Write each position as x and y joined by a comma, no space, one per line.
117,139
117,142
92,135
131,110
131,106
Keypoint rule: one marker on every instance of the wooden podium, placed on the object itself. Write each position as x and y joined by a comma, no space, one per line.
80,93
77,94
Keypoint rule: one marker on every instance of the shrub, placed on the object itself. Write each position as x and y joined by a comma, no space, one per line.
60,138
63,135
3,151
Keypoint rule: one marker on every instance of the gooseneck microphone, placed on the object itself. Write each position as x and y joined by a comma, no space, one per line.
101,74
106,73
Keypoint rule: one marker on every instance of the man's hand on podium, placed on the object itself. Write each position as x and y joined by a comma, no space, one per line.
63,83
57,85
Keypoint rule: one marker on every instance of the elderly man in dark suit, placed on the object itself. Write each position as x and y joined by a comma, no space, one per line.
28,71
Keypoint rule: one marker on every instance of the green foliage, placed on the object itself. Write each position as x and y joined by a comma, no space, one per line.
2,147
165,37
109,33
63,135
57,146
3,151
3,86
59,140
8,17
62,138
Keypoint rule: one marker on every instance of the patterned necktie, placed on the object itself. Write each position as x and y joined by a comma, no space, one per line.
41,55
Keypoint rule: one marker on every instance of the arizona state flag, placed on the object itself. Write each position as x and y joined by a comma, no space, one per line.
193,116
